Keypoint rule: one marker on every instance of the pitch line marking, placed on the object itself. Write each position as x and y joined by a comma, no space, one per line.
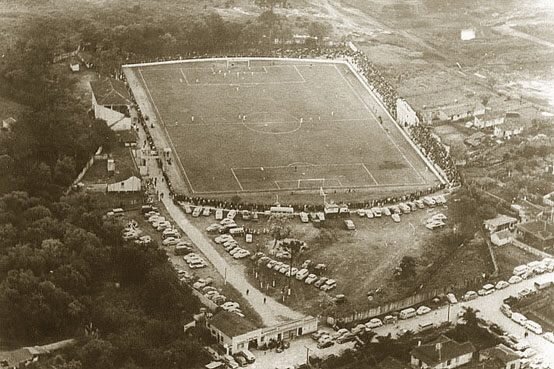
373,114
184,76
234,175
167,134
370,175
300,74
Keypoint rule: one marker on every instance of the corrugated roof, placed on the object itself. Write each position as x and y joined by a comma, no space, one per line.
500,220
502,353
449,349
231,324
110,91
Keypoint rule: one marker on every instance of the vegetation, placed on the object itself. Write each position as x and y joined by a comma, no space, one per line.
64,270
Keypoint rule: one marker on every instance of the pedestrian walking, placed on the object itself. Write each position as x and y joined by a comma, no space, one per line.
265,298
247,292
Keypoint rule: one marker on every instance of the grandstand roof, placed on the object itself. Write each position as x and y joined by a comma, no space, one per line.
110,91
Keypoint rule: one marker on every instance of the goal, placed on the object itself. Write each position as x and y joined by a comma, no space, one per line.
239,63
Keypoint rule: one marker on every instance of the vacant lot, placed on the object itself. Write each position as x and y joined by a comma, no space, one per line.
277,125
360,260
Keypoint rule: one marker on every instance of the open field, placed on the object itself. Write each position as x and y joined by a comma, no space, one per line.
360,261
302,126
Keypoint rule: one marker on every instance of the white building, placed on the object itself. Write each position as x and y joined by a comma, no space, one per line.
405,115
502,237
111,102
499,223
131,184
442,353
235,333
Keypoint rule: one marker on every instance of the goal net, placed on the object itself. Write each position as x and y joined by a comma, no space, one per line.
236,64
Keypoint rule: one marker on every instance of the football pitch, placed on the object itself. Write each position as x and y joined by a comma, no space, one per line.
273,125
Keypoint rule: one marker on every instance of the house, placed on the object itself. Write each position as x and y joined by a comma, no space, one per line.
111,102
499,223
8,123
235,333
505,357
513,126
548,199
488,120
131,184
16,359
502,237
539,234
454,113
442,353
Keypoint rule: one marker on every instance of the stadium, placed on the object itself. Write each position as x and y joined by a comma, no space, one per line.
259,125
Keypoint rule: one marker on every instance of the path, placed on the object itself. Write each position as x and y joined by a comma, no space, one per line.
271,311
506,29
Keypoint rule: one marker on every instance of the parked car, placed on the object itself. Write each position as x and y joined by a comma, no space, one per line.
470,295
170,241
349,224
325,344
302,274
514,279
423,310
451,298
320,282
396,218
310,279
374,323
500,285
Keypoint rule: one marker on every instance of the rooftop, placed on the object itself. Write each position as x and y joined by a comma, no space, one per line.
441,350
539,228
231,324
500,220
502,353
503,234
110,91
16,357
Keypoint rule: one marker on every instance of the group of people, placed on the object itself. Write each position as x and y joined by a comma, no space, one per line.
429,144
216,203
431,147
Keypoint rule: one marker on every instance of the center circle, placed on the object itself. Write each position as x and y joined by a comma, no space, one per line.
272,122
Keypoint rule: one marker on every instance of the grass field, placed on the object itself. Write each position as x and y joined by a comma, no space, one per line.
271,125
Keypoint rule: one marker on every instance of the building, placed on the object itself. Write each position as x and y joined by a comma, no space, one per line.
467,34
235,333
499,223
111,102
8,123
539,234
15,359
505,357
457,112
502,237
131,184
488,120
513,126
442,353
405,115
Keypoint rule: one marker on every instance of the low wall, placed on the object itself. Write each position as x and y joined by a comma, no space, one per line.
530,249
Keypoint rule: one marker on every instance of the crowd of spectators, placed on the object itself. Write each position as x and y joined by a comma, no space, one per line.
428,144
435,151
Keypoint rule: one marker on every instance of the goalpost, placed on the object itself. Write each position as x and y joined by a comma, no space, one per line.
237,63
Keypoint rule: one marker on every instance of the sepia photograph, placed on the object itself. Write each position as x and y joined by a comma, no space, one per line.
276,184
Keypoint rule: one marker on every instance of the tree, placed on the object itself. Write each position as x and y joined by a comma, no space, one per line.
469,316
407,268
279,228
